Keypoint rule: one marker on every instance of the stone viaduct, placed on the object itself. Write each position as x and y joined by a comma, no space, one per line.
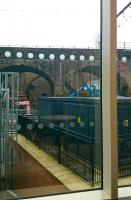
62,68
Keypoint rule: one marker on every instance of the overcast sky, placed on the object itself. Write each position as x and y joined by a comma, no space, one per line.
124,24
67,23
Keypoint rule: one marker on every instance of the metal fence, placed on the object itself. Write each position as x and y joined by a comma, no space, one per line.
80,154
124,45
8,120
69,129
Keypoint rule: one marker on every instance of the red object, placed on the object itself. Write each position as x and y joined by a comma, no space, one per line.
24,103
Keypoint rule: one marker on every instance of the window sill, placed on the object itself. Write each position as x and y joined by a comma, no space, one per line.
95,195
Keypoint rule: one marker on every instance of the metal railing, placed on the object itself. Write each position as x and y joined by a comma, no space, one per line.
120,45
124,45
8,120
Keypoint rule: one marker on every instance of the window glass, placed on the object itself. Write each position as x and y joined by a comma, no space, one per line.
50,98
124,92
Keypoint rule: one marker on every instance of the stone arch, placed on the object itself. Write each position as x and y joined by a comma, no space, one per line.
27,68
92,69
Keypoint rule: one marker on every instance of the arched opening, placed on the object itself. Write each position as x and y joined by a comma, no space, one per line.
26,68
33,83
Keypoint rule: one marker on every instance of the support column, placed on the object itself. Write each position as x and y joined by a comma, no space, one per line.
109,99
